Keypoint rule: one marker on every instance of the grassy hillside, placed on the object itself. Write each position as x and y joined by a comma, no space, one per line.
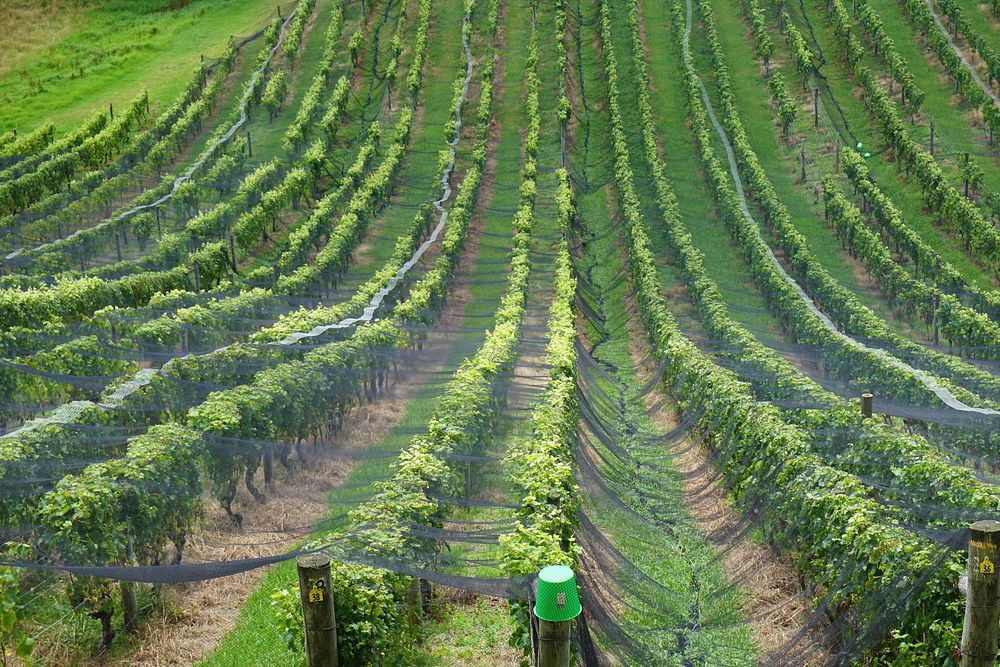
62,60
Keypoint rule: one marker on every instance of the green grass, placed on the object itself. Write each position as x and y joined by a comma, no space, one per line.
110,52
509,113
980,14
660,540
415,180
361,111
473,633
952,130
267,134
486,642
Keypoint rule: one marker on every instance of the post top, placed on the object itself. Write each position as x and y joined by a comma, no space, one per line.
313,560
986,526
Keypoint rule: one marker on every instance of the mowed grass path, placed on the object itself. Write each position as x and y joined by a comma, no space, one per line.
691,624
80,60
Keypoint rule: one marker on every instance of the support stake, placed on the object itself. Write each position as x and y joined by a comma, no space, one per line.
966,175
982,603
867,400
932,138
557,603
553,643
816,107
318,615
232,253
130,607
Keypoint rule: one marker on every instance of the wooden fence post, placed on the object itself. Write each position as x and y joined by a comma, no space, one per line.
130,604
553,643
130,607
557,603
867,399
232,254
318,615
982,603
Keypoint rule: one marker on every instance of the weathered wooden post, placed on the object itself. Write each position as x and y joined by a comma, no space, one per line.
966,176
130,607
232,253
553,644
318,615
867,400
130,604
815,107
982,602
557,603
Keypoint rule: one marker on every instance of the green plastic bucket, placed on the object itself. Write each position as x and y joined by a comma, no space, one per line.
557,598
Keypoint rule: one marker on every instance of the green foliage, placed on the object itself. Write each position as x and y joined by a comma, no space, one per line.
298,132
92,146
805,61
865,367
14,643
274,93
294,31
787,108
951,208
957,323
